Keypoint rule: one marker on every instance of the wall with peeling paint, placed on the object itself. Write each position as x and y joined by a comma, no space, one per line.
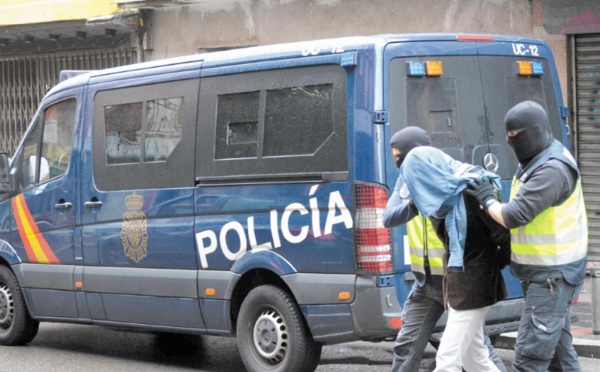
231,23
562,17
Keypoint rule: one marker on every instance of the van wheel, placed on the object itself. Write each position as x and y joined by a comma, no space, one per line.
272,335
16,325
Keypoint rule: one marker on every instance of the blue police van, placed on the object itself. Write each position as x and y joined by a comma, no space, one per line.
240,193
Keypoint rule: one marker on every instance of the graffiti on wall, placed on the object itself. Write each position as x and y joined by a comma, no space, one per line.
582,22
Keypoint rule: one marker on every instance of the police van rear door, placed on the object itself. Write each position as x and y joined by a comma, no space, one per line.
459,91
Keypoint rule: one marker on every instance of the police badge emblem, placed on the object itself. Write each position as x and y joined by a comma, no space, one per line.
133,233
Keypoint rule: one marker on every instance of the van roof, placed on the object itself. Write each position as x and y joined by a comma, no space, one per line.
280,51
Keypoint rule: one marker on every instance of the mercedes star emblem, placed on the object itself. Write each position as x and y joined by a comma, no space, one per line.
490,162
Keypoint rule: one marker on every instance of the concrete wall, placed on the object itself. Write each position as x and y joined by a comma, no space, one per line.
558,43
230,23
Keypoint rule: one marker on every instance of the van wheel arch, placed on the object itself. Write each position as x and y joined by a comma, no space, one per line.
249,281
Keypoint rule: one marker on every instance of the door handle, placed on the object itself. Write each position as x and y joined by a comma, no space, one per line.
64,205
92,204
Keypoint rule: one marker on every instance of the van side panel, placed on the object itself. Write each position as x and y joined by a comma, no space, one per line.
137,201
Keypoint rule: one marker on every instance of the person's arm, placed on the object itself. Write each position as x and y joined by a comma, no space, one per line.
495,211
398,211
549,185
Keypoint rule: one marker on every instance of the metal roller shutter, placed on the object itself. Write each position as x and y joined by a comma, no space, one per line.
25,79
587,106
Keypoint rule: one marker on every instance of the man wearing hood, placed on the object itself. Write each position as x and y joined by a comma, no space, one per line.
425,303
548,225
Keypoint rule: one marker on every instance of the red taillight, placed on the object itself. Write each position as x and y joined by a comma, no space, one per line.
396,323
371,239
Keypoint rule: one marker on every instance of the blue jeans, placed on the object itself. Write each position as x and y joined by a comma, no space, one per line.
544,340
422,310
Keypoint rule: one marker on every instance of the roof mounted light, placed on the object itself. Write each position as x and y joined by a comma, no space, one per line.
415,68
427,68
530,68
474,38
537,68
434,68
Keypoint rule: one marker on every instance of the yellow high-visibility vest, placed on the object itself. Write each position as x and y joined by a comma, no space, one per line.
557,236
419,239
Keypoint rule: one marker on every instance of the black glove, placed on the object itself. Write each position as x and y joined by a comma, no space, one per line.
482,190
413,207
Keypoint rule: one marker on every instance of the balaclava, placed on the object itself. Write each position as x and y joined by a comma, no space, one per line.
407,139
531,120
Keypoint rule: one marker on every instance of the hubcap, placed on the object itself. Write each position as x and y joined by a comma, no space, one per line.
7,307
270,336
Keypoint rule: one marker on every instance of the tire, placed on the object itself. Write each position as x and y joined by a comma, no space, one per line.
16,325
272,335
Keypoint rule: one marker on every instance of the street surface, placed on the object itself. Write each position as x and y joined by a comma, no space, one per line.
66,347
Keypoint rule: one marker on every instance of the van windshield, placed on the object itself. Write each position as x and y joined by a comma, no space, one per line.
463,109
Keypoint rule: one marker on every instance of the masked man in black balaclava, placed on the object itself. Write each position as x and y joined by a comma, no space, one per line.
425,304
528,130
407,139
546,215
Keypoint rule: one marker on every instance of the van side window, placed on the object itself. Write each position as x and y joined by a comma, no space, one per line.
25,168
271,126
59,122
298,120
52,148
237,126
163,128
125,132
143,135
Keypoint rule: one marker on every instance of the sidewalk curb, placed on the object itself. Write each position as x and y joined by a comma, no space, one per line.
584,347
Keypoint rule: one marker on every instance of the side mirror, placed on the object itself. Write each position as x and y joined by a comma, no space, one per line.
4,180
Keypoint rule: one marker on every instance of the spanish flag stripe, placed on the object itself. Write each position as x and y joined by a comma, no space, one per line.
42,243
27,233
36,240
28,248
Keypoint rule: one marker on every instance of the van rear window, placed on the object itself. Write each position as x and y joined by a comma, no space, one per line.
463,109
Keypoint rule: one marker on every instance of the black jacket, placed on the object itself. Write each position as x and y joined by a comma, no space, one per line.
487,251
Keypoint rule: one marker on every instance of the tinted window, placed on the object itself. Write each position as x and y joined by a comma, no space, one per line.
123,125
237,125
298,120
273,125
144,135
463,110
163,128
432,104
125,131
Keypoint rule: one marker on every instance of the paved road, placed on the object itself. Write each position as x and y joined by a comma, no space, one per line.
65,348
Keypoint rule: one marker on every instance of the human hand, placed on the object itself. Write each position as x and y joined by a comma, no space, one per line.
413,207
482,190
